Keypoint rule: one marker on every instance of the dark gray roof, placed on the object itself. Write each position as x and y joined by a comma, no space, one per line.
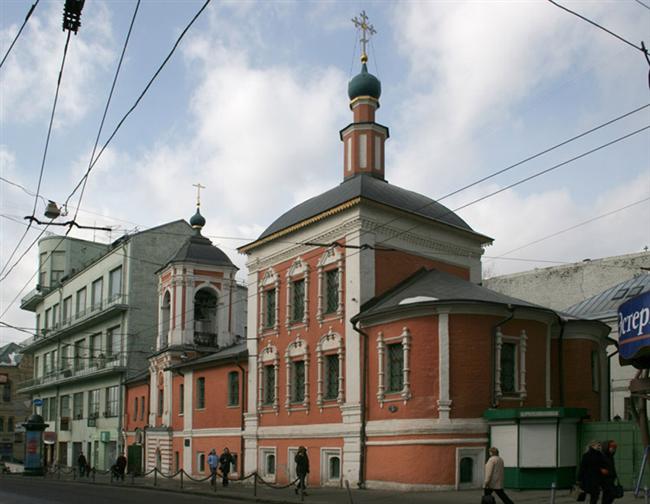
606,303
199,249
231,352
10,354
435,287
371,188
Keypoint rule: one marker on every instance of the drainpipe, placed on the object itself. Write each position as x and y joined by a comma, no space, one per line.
362,432
493,353
243,425
560,360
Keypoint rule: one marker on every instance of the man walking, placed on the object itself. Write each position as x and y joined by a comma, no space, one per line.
494,471
213,462
302,468
225,461
83,465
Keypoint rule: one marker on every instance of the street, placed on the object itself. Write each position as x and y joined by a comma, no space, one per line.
22,490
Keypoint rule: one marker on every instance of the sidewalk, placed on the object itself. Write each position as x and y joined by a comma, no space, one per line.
245,492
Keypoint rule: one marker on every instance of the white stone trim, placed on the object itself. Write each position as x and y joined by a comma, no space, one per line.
407,442
329,257
209,432
330,341
381,387
520,366
263,452
478,457
327,430
325,454
270,278
298,270
426,426
405,338
406,487
444,400
297,348
363,150
268,354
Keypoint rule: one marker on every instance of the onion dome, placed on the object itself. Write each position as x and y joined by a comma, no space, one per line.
197,221
364,84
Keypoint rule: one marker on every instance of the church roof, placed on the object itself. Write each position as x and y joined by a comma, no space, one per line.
199,249
373,189
437,287
10,354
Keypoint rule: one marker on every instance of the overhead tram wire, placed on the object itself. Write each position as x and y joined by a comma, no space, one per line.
571,228
119,125
642,4
47,143
11,46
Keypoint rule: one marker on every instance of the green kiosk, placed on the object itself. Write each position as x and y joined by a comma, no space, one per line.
539,446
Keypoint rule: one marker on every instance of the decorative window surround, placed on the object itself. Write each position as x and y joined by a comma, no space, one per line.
520,366
327,344
444,400
405,394
297,350
331,257
270,280
298,270
269,355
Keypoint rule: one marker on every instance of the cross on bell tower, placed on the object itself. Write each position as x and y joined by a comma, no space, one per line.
367,30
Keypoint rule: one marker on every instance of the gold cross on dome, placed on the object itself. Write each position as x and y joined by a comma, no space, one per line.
367,30
198,192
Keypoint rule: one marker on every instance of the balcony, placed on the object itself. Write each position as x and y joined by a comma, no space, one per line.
31,300
81,320
205,333
99,367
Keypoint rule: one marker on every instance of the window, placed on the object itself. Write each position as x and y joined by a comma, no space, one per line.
298,300
78,405
233,388
331,376
2,424
115,283
38,325
331,290
6,391
42,275
78,355
466,470
46,363
95,348
269,384
65,406
269,311
267,456
55,316
595,372
65,357
181,399
52,407
112,399
142,407
395,371
93,403
96,294
161,401
48,318
81,302
67,310
54,362
36,366
135,408
200,393
508,368
113,341
298,385
56,277
200,461
10,424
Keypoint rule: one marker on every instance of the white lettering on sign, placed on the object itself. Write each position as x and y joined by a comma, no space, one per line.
635,321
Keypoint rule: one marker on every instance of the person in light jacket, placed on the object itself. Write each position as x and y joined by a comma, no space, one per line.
494,471
213,462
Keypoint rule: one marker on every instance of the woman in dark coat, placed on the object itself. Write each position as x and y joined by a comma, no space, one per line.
610,476
302,468
225,460
590,475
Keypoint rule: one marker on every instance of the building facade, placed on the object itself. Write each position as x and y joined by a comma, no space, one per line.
96,320
14,407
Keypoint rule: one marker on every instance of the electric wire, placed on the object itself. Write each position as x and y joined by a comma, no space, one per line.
11,46
638,48
642,4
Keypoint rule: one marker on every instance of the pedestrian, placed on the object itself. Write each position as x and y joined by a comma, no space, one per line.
120,465
213,462
302,468
225,461
611,489
83,465
590,474
494,470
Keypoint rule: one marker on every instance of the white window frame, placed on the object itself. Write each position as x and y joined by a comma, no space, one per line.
200,456
325,455
297,350
521,343
478,456
268,356
263,454
405,394
330,257
299,270
270,280
328,344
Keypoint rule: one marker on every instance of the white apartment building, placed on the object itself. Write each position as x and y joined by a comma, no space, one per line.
97,321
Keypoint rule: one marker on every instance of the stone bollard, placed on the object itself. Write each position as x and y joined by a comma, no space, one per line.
155,476
552,501
647,495
182,471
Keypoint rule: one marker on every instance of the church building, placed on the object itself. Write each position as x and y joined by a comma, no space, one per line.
372,343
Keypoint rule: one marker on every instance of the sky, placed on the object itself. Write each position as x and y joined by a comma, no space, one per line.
251,103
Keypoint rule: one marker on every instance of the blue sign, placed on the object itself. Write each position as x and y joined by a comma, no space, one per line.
38,402
634,329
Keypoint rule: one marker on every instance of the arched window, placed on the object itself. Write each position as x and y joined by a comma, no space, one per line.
466,470
205,317
165,317
334,468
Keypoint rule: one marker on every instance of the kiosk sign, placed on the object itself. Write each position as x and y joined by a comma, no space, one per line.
634,331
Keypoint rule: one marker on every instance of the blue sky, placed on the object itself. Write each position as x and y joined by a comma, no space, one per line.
252,102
